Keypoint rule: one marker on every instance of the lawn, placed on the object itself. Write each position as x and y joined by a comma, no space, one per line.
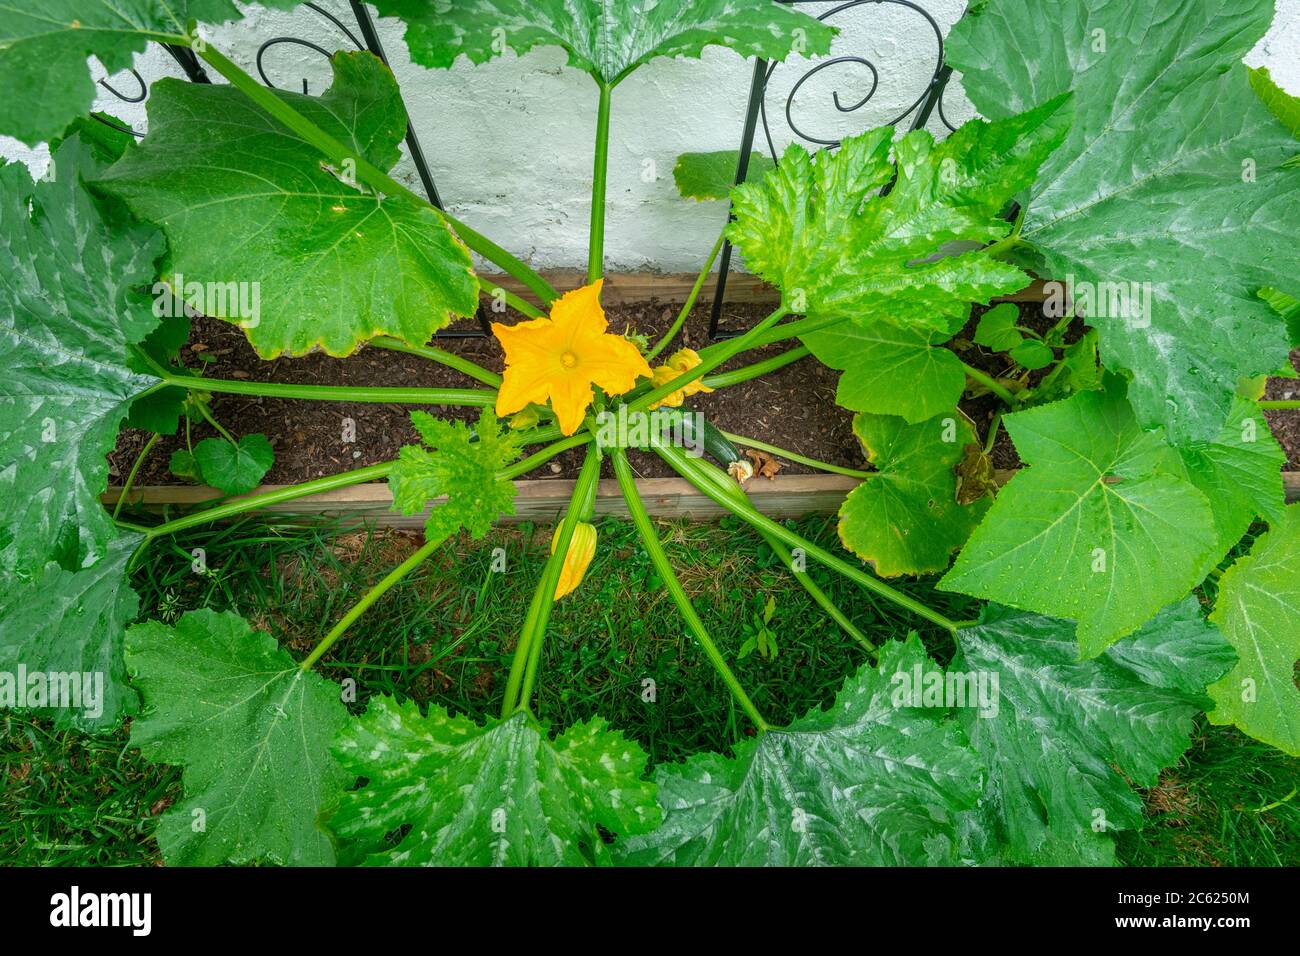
445,635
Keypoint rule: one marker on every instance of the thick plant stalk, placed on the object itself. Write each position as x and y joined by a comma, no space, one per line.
707,472
1279,405
468,397
539,610
676,459
990,383
369,174
731,347
462,365
371,596
795,456
689,304
747,372
519,305
623,472
599,175
130,478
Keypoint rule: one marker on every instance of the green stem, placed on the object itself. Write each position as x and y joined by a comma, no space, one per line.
539,609
130,478
749,513
793,456
495,289
462,365
237,506
600,170
635,507
371,596
546,454
207,417
690,301
988,382
724,483
746,372
371,175
731,347
339,393
1280,404
782,333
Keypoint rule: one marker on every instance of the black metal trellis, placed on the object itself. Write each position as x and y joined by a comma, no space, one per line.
369,40
921,109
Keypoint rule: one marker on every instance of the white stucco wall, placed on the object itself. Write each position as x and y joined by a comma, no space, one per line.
509,142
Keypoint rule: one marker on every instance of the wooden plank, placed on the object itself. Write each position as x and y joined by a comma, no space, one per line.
742,288
786,496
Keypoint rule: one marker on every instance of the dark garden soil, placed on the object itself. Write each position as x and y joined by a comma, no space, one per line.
792,408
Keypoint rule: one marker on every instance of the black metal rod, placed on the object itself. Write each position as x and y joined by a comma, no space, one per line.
757,87
371,37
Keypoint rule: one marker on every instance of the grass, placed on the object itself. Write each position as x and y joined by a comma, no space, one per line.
446,635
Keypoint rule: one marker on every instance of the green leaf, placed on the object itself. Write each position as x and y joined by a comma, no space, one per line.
1287,306
463,467
997,328
1067,739
1078,371
500,795
72,623
44,46
817,229
905,519
234,469
252,731
1168,188
1032,355
605,38
264,235
69,311
1103,527
705,176
1240,473
1279,102
1258,610
866,782
182,465
890,370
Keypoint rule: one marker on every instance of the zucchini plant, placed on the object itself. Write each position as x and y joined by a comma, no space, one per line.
1126,155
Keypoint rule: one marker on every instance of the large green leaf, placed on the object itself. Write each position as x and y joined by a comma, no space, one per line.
1068,739
867,782
606,38
705,176
1240,474
500,795
70,307
889,370
1103,527
44,47
905,519
1258,610
252,731
72,623
234,468
462,468
1279,102
1171,176
816,229
276,241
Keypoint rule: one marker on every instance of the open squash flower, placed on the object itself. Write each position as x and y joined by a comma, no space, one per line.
561,357
683,360
582,548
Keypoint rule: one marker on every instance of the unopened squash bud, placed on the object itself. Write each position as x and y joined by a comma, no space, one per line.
582,548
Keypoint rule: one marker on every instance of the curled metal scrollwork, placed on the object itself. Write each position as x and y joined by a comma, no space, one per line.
841,61
299,41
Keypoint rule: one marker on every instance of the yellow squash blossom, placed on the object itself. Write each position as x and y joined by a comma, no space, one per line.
683,360
561,357
582,548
